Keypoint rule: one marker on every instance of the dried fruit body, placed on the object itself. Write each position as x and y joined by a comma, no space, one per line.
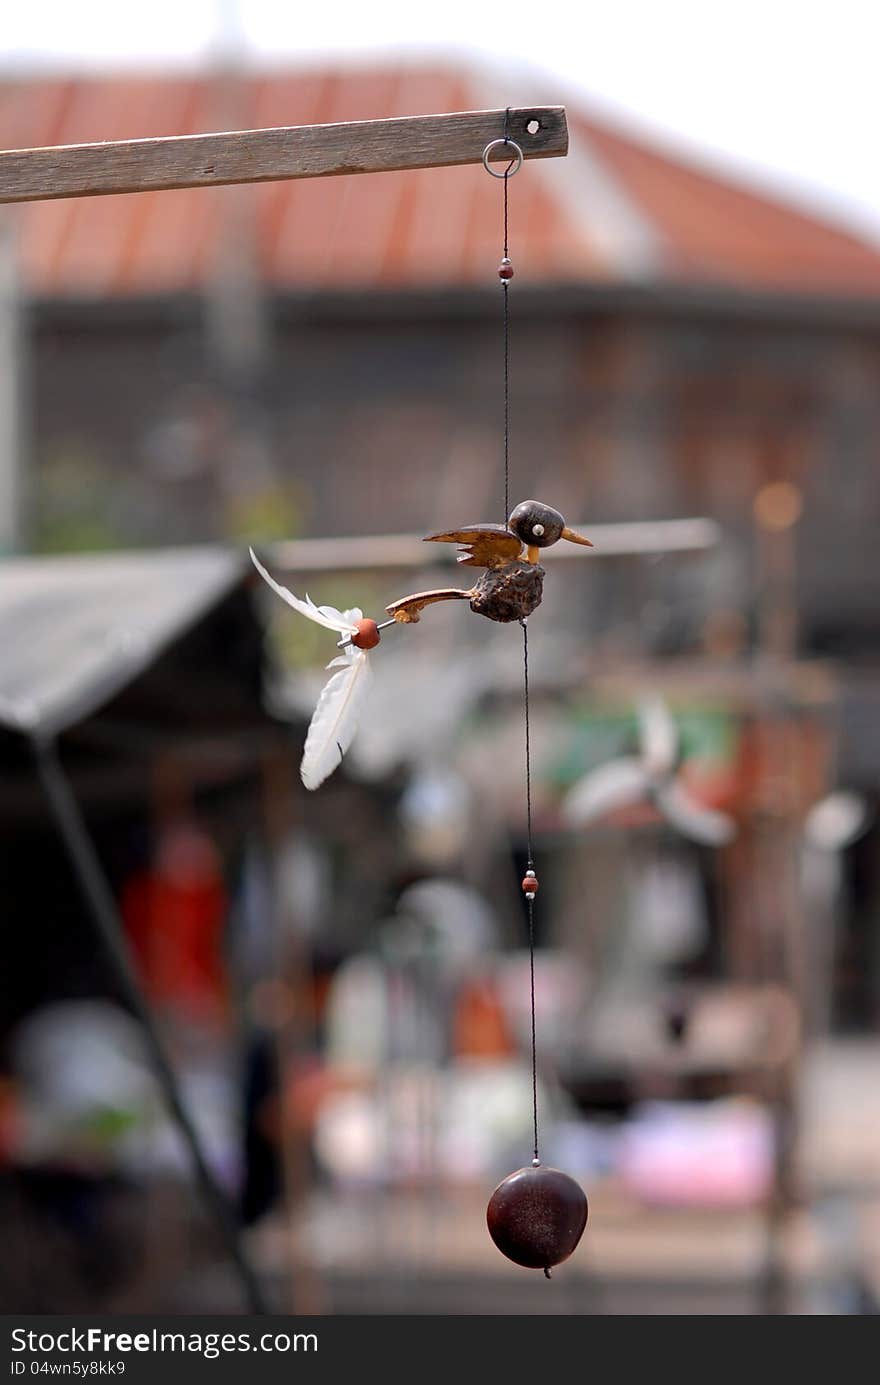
537,1216
508,593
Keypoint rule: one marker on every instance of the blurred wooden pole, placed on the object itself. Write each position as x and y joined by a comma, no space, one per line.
235,308
289,1030
777,509
12,355
387,551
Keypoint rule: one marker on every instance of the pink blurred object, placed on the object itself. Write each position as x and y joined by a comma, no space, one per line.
718,1154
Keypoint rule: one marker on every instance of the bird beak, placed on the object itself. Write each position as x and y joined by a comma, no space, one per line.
576,538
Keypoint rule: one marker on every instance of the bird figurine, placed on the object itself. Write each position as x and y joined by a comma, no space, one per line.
513,582
509,589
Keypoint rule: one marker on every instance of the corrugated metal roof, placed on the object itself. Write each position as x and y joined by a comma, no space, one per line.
84,626
616,209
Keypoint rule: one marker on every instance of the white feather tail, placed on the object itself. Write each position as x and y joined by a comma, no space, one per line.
336,717
343,622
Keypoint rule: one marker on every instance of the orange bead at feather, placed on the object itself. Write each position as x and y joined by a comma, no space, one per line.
366,634
530,884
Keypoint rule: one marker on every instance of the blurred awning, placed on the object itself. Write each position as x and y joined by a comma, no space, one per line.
137,645
76,630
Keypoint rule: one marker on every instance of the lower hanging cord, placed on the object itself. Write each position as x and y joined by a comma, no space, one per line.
531,908
530,900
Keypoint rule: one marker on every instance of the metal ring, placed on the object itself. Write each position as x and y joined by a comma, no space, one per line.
516,158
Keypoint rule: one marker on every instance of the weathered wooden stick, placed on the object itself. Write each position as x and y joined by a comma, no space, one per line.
259,156
382,551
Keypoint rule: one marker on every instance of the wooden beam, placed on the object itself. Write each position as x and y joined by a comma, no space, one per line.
259,156
385,551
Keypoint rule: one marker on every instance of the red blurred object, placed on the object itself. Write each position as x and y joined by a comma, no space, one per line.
479,1028
175,915
10,1131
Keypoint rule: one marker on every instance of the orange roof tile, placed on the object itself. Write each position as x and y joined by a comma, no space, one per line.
615,209
713,229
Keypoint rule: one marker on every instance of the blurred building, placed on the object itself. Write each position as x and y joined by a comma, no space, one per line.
323,356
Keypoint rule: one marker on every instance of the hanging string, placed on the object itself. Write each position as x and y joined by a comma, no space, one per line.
505,283
506,173
525,630
505,271
505,274
506,373
530,902
530,896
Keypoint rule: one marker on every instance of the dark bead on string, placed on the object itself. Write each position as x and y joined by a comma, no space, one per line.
529,884
505,269
537,1216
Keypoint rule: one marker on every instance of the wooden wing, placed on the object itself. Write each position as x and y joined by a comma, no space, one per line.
483,545
408,608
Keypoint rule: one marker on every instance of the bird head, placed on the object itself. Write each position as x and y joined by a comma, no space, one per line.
539,526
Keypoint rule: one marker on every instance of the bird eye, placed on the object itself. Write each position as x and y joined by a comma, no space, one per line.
537,530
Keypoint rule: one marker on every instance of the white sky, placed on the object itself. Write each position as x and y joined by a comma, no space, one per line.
784,90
